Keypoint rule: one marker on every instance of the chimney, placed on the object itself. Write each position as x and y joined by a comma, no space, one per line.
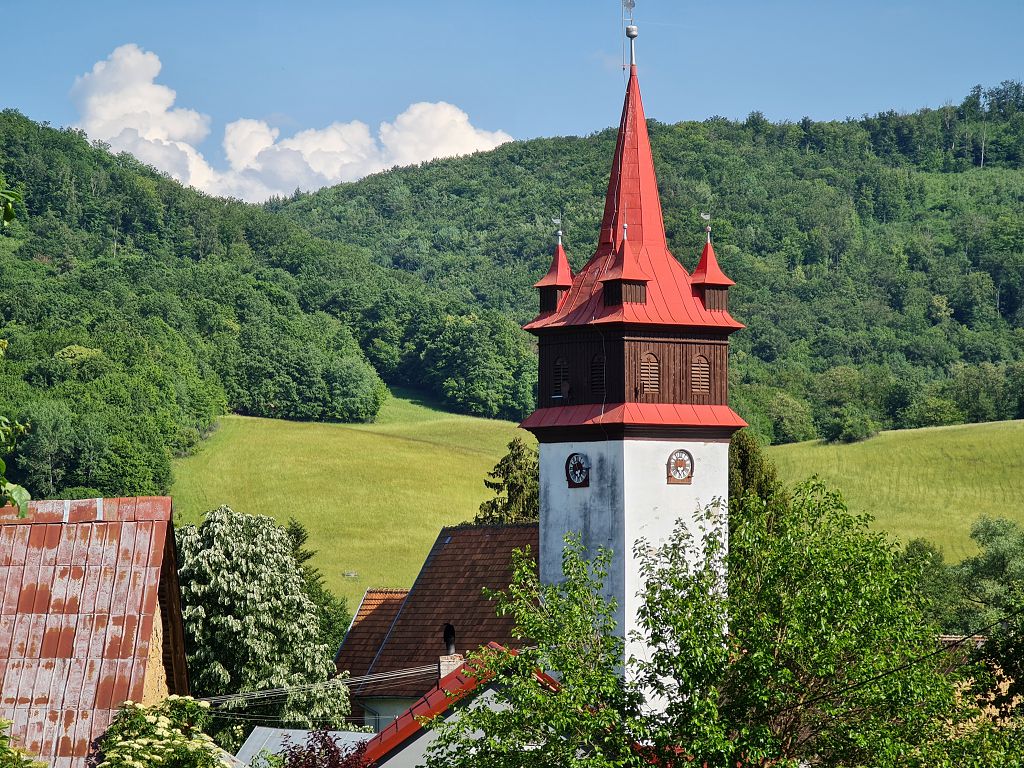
451,661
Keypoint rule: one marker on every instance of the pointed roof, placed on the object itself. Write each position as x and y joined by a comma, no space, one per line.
625,265
708,272
632,200
559,275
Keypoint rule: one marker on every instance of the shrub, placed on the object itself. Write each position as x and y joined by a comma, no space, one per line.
169,735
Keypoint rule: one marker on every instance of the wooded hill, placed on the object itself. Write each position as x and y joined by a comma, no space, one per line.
879,262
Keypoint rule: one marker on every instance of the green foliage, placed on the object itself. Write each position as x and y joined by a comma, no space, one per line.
581,721
11,492
802,642
515,481
250,625
169,734
10,756
882,245
750,469
847,424
332,611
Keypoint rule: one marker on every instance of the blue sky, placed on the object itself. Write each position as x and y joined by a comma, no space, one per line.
523,68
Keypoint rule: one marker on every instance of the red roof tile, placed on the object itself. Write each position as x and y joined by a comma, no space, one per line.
633,199
80,586
449,590
369,627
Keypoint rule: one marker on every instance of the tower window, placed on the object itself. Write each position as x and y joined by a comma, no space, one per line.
560,382
597,386
650,373
700,376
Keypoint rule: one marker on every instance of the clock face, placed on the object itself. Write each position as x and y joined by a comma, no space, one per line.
680,467
577,470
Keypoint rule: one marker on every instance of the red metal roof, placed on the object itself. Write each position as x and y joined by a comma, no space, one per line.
708,272
448,692
633,199
559,275
449,590
80,582
646,414
369,627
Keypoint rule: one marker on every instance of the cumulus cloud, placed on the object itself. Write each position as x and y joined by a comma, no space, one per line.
120,102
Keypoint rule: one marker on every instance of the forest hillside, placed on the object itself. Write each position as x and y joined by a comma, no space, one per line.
879,262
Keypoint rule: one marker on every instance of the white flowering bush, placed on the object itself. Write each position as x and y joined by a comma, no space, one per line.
251,627
169,734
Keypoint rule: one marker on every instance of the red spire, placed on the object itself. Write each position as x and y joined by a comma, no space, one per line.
632,201
633,187
560,275
708,272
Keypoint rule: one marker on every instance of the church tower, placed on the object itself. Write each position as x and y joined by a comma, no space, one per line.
633,417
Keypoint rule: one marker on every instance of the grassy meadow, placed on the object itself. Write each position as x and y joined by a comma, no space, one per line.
931,483
373,496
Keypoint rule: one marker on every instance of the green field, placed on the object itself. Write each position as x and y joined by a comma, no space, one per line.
373,496
930,482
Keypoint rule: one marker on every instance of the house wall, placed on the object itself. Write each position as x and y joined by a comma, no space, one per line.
413,753
628,498
381,711
154,687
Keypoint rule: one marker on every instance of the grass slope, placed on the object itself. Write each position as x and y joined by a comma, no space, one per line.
373,496
932,483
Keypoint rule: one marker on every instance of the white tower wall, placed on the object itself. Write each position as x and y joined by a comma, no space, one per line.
628,498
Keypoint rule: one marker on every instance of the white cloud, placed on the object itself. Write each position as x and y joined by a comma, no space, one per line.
120,103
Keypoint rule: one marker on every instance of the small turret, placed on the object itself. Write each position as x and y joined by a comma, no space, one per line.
625,282
556,282
710,283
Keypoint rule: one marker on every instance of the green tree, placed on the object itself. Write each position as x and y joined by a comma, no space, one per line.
250,625
585,719
803,642
332,611
515,483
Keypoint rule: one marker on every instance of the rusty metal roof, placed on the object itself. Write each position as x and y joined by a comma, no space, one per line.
81,585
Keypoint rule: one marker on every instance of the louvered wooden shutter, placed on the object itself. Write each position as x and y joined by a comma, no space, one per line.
650,373
597,376
561,378
700,376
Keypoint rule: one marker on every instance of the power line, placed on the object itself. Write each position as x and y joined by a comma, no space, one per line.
273,693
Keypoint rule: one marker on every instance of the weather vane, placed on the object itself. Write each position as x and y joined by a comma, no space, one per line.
707,227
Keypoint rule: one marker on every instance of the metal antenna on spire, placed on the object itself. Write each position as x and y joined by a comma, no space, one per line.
631,29
558,223
625,231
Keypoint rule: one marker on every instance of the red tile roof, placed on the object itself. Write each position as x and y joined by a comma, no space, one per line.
80,594
626,414
449,590
368,629
633,199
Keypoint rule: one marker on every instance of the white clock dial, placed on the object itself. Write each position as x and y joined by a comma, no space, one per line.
680,466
